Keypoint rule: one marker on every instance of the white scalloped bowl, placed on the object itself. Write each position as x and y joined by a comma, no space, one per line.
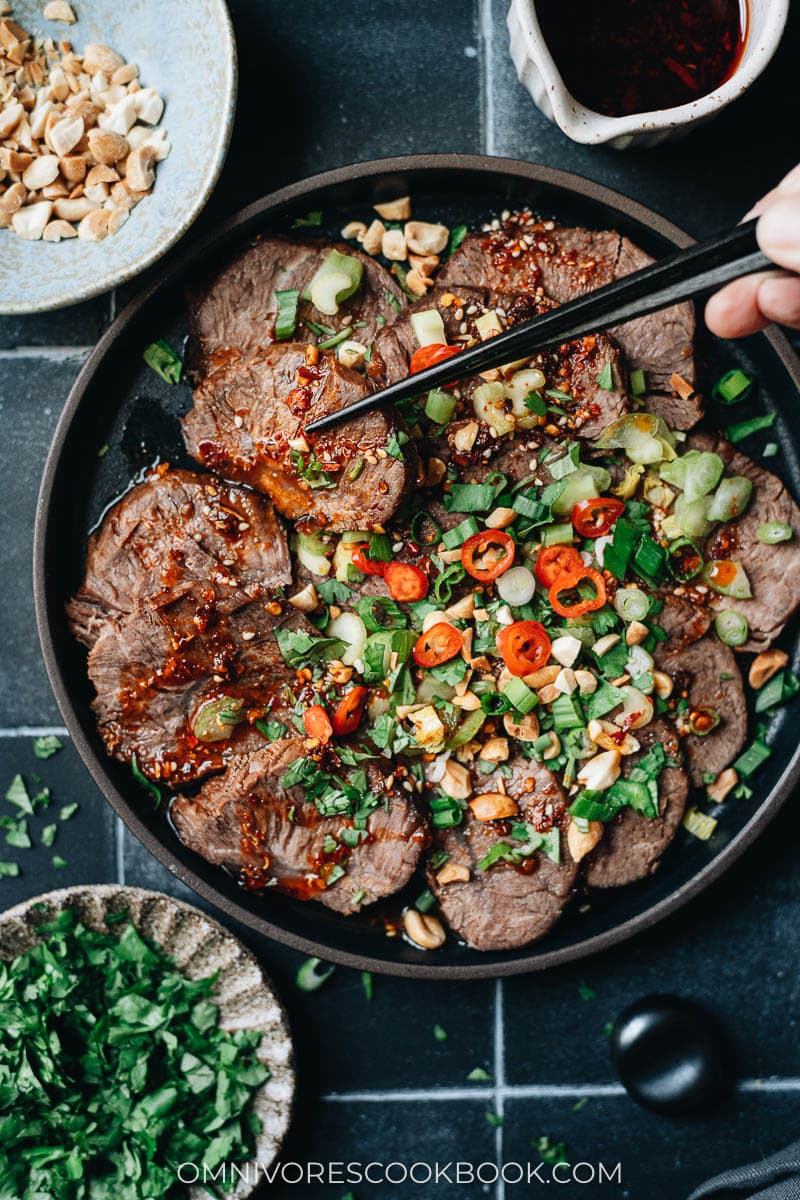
187,52
538,73
199,946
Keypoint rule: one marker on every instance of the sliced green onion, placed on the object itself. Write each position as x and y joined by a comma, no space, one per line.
752,758
446,813
567,713
770,450
782,687
286,320
731,627
162,359
516,586
591,805
631,603
336,338
618,552
772,532
733,386
649,558
310,977
457,236
743,429
440,406
335,281
453,538
558,535
699,824
530,507
605,379
638,384
730,499
522,698
425,901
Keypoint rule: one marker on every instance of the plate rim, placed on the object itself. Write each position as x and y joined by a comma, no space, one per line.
113,279
572,183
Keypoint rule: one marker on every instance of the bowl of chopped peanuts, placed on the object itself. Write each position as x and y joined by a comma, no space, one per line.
110,145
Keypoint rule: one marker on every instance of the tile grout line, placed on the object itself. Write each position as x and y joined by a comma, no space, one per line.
499,1082
486,41
23,731
48,353
543,1091
119,849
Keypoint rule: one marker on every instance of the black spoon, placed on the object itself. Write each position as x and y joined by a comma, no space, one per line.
701,268
672,1055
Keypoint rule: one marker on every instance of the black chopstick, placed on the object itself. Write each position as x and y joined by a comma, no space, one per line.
691,272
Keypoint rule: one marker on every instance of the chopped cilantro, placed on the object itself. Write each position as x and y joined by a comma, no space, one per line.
47,746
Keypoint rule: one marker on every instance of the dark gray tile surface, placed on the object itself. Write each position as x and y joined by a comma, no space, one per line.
324,85
32,393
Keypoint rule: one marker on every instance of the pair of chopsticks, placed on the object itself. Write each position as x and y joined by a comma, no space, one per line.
701,268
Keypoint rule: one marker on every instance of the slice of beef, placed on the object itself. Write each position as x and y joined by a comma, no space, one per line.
506,906
544,259
236,309
248,424
573,368
682,621
250,821
175,534
632,844
706,673
154,670
773,571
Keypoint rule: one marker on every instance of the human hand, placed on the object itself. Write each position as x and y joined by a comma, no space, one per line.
748,304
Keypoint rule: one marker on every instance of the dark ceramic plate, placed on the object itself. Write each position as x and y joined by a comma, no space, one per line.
118,403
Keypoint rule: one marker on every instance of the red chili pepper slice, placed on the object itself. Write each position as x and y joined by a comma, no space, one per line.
592,518
568,583
349,711
554,561
405,582
438,645
494,547
370,566
525,646
428,356
317,723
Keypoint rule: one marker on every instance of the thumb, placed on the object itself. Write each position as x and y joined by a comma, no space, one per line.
778,232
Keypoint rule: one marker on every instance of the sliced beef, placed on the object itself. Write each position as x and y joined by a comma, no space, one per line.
236,309
632,844
573,368
506,906
773,571
250,821
248,423
155,670
706,673
545,259
682,621
176,534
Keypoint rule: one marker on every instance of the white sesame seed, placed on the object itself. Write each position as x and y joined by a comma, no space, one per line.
238,422
248,635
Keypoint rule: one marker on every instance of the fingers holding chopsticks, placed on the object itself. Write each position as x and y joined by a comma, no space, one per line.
748,304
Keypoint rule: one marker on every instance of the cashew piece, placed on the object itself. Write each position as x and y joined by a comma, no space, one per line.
579,843
425,931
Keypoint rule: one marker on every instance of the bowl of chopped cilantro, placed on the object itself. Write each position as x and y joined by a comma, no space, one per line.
142,1050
